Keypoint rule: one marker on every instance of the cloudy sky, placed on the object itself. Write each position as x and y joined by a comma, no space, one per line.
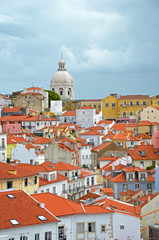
109,46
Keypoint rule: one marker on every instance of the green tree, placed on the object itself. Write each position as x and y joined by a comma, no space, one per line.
53,96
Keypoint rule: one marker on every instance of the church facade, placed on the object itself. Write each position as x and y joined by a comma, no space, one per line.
62,82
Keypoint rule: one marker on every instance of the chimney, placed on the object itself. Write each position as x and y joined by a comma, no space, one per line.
41,205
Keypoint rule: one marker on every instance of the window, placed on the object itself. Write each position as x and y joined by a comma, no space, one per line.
83,112
141,164
45,176
9,184
14,222
144,103
124,104
124,114
95,106
35,180
91,227
153,163
10,196
25,182
137,185
48,236
122,227
137,103
52,176
149,186
63,187
113,105
87,181
37,236
125,187
42,191
54,190
47,189
130,176
107,105
42,218
11,238
143,177
65,174
80,227
60,232
103,228
130,103
23,238
92,180
130,113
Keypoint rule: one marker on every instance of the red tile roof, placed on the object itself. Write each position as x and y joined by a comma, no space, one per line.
92,132
13,109
102,146
121,207
105,122
155,107
86,173
143,152
61,166
119,127
60,178
134,97
9,171
66,207
95,128
23,209
69,113
14,118
34,88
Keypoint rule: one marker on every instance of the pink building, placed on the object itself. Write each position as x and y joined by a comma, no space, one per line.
12,128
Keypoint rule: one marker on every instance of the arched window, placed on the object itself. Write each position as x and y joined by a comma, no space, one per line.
69,92
53,89
61,91
131,114
124,114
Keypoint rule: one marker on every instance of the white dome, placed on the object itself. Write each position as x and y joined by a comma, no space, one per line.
61,78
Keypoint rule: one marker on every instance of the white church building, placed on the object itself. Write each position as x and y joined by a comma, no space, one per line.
62,83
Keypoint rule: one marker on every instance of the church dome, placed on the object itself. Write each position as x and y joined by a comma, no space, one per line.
61,77
62,82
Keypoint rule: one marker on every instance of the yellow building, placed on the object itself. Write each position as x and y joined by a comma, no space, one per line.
128,105
10,146
110,107
19,179
73,104
114,107
155,101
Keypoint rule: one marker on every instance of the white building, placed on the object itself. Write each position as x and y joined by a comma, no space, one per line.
87,117
68,117
24,218
27,153
5,101
62,82
90,222
3,147
56,107
35,123
92,137
85,155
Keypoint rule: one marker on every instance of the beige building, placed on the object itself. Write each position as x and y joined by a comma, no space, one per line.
12,177
150,114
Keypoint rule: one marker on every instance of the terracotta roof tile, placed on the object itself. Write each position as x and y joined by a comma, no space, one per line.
22,208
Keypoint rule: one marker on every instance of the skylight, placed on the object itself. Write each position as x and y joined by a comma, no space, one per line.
14,222
10,196
42,218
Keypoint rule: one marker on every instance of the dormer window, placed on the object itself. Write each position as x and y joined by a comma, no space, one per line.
143,177
130,177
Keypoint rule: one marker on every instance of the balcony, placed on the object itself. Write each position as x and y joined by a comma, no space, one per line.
142,179
74,190
130,179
